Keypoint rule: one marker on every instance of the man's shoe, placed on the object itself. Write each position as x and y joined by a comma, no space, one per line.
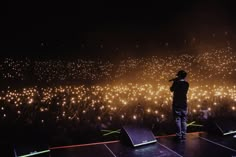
178,138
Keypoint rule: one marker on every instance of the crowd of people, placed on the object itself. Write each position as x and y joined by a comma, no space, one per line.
207,66
82,97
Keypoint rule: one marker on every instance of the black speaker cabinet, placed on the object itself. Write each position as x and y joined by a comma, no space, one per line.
226,126
222,126
137,135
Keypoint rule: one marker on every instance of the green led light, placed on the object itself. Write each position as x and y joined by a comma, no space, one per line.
193,124
109,132
36,153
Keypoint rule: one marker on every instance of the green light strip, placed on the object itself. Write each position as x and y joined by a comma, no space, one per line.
230,132
196,125
191,123
111,132
36,153
107,130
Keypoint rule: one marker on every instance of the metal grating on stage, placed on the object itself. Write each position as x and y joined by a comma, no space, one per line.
195,145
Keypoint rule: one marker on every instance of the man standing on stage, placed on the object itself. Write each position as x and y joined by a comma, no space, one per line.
180,88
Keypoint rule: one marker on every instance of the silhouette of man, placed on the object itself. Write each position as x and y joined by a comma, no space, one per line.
180,88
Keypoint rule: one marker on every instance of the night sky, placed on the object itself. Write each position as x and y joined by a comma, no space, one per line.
98,28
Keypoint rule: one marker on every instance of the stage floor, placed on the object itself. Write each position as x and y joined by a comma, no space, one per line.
195,145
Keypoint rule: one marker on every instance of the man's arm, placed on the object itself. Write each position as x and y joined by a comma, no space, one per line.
172,88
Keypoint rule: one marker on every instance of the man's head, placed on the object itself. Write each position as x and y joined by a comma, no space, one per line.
181,74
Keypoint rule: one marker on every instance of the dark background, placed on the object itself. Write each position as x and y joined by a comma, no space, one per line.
111,28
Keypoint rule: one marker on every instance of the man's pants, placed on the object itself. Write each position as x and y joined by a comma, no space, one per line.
180,116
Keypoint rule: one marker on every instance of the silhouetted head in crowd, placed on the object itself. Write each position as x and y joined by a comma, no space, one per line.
181,74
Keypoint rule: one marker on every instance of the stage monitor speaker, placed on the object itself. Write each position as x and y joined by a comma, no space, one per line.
137,135
222,126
